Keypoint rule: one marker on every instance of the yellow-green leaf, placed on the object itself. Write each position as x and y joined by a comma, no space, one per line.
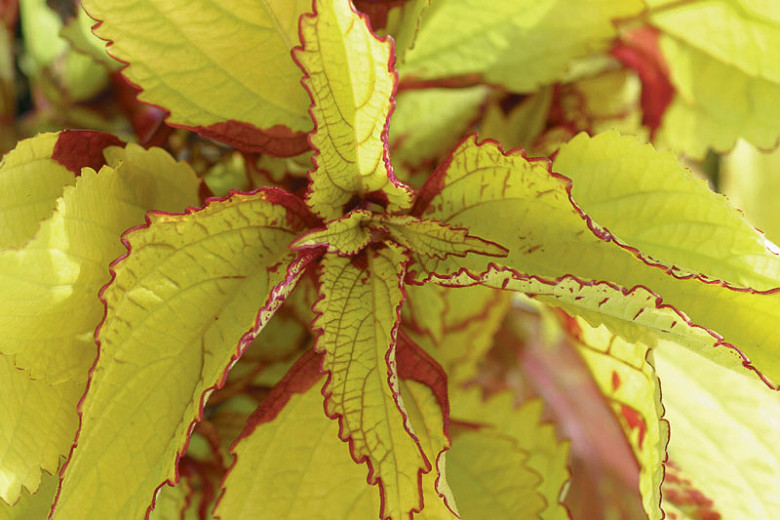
222,68
48,314
78,32
727,84
191,293
519,204
320,481
30,184
37,425
31,181
455,325
358,318
349,76
724,433
32,507
751,179
432,239
346,235
547,456
48,304
648,201
626,377
520,44
427,123
490,477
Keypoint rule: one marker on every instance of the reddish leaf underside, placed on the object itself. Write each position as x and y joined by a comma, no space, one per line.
77,149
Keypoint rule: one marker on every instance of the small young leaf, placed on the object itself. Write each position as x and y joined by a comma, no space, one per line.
349,76
346,235
358,320
181,309
432,239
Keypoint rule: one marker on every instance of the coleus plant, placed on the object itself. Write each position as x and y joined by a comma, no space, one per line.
136,355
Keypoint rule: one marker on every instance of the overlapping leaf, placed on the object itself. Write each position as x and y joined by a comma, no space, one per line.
547,457
649,201
520,205
455,326
518,44
48,288
289,430
222,68
358,319
727,84
349,75
38,425
32,507
181,309
626,377
33,175
427,123
724,433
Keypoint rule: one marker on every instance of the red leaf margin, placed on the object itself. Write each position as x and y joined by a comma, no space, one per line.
278,140
435,183
385,131
294,271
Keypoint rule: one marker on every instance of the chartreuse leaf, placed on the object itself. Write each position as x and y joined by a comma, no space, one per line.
428,238
48,309
547,457
181,52
490,477
31,181
29,169
455,325
289,430
78,32
403,22
519,204
32,507
427,123
751,178
346,235
647,200
518,44
358,319
425,415
626,377
724,433
350,79
727,85
37,427
181,309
